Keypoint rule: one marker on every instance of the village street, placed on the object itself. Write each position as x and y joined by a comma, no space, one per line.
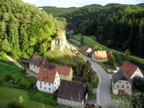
103,90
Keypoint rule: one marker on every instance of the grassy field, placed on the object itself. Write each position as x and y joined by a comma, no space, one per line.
11,70
66,57
89,40
7,94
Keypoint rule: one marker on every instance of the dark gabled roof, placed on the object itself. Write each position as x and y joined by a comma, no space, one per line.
72,90
36,60
120,75
23,60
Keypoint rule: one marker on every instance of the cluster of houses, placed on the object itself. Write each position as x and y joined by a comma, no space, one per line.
98,56
54,77
122,79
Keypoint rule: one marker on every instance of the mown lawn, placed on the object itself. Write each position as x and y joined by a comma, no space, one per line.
90,42
7,94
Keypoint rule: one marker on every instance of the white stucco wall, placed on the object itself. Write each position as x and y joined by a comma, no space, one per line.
70,102
34,68
137,73
89,50
49,87
122,85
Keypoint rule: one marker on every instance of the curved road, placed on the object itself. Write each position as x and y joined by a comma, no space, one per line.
103,90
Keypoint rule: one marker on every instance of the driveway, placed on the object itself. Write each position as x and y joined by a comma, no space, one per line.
103,90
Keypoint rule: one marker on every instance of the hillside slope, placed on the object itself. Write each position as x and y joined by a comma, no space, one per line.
25,29
117,26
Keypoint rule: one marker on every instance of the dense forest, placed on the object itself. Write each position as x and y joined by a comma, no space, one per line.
117,26
25,29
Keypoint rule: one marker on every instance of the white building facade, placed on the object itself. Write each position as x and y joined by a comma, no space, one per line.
137,73
122,87
47,86
34,68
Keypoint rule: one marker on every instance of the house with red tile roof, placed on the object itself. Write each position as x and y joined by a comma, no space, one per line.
48,78
131,69
65,72
87,50
72,93
100,56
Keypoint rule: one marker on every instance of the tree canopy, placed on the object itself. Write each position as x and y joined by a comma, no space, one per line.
114,25
25,29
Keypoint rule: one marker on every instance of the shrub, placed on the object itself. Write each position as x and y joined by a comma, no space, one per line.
8,77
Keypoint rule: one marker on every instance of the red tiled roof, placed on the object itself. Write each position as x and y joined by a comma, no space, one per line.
100,55
129,68
85,48
47,72
65,70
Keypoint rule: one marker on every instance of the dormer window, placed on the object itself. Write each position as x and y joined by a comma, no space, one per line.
119,81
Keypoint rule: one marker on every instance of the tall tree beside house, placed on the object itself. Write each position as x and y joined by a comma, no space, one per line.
111,59
138,85
25,29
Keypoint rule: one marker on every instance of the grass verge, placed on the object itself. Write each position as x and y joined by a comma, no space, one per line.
8,94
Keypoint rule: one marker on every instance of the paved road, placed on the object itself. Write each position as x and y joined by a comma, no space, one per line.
14,61
103,90
75,41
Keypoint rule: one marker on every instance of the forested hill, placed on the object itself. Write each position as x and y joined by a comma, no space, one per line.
117,26
25,29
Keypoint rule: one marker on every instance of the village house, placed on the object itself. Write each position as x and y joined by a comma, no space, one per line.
72,93
35,62
121,83
131,69
100,56
48,79
65,72
87,50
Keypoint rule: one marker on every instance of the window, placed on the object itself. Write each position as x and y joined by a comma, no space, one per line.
119,81
44,82
49,84
117,86
127,86
40,84
49,88
44,87
127,82
122,86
